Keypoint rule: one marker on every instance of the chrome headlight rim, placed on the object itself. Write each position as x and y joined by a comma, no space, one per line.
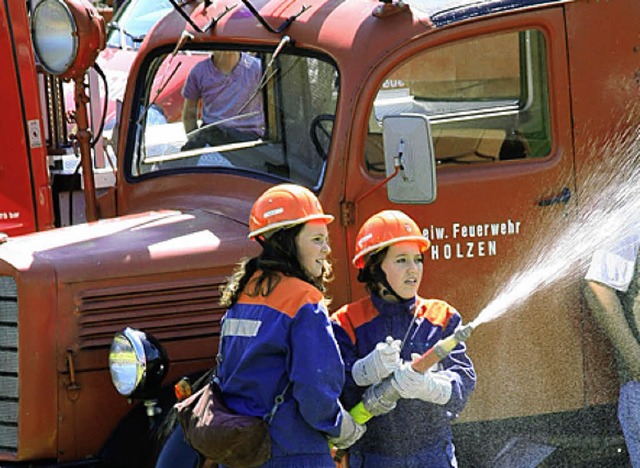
126,381
148,359
67,35
40,26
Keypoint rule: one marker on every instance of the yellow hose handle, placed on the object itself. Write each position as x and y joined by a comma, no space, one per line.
360,413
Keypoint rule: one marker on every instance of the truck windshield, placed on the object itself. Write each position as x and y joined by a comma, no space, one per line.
236,110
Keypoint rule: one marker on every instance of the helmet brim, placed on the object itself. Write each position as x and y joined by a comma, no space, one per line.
359,260
270,229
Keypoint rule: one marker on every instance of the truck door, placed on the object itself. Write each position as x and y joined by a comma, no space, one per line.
23,155
498,105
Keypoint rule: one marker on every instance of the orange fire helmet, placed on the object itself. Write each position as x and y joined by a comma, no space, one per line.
284,206
384,229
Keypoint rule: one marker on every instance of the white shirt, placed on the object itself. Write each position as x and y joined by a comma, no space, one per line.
614,266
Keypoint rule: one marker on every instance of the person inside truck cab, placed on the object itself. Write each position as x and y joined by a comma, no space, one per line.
224,87
276,333
613,293
389,255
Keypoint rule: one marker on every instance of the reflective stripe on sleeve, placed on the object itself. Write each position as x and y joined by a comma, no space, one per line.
240,327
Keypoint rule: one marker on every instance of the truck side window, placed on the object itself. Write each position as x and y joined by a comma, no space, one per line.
487,99
243,111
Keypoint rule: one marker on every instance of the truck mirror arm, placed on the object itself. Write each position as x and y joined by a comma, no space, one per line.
397,163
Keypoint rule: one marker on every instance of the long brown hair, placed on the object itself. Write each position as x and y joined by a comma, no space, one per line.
279,257
371,273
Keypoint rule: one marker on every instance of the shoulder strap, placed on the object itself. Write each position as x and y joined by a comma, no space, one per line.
279,399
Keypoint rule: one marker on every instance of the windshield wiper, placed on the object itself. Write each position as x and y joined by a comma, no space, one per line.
269,71
184,38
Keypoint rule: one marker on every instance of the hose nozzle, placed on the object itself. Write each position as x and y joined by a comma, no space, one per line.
442,348
463,332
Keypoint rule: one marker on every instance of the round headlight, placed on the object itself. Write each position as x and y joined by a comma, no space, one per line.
55,36
67,36
137,363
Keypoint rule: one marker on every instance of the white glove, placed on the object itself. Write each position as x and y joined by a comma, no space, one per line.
378,364
430,386
350,432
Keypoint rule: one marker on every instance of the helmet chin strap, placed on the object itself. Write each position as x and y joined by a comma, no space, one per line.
386,290
388,293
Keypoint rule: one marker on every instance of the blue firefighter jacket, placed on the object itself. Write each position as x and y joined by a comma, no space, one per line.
267,342
414,426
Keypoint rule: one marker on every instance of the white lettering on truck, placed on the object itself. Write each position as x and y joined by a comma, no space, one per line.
468,240
8,215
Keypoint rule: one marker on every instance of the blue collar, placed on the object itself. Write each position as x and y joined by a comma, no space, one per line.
388,307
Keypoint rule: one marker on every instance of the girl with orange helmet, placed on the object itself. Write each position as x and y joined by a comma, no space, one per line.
379,334
276,338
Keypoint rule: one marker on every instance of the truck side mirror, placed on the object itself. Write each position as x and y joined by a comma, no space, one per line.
408,143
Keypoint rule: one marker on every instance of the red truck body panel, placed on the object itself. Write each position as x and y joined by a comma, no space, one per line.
25,201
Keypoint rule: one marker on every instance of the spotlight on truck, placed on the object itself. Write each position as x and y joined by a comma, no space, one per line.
137,363
67,36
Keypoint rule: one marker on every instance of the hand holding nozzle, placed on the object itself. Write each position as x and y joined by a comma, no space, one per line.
350,432
431,387
378,364
383,397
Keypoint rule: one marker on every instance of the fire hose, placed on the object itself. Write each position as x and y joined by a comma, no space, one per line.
382,397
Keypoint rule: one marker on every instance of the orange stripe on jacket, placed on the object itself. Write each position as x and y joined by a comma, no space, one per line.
356,314
435,311
289,295
353,315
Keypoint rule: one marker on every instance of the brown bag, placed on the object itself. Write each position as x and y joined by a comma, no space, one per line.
221,435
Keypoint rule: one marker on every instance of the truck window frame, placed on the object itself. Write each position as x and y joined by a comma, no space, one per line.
504,121
278,127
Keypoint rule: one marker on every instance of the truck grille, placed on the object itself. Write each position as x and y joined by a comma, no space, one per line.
8,364
175,310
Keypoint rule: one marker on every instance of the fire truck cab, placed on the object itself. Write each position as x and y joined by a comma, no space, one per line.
481,120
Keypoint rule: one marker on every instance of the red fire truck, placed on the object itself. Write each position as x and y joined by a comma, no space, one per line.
503,108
